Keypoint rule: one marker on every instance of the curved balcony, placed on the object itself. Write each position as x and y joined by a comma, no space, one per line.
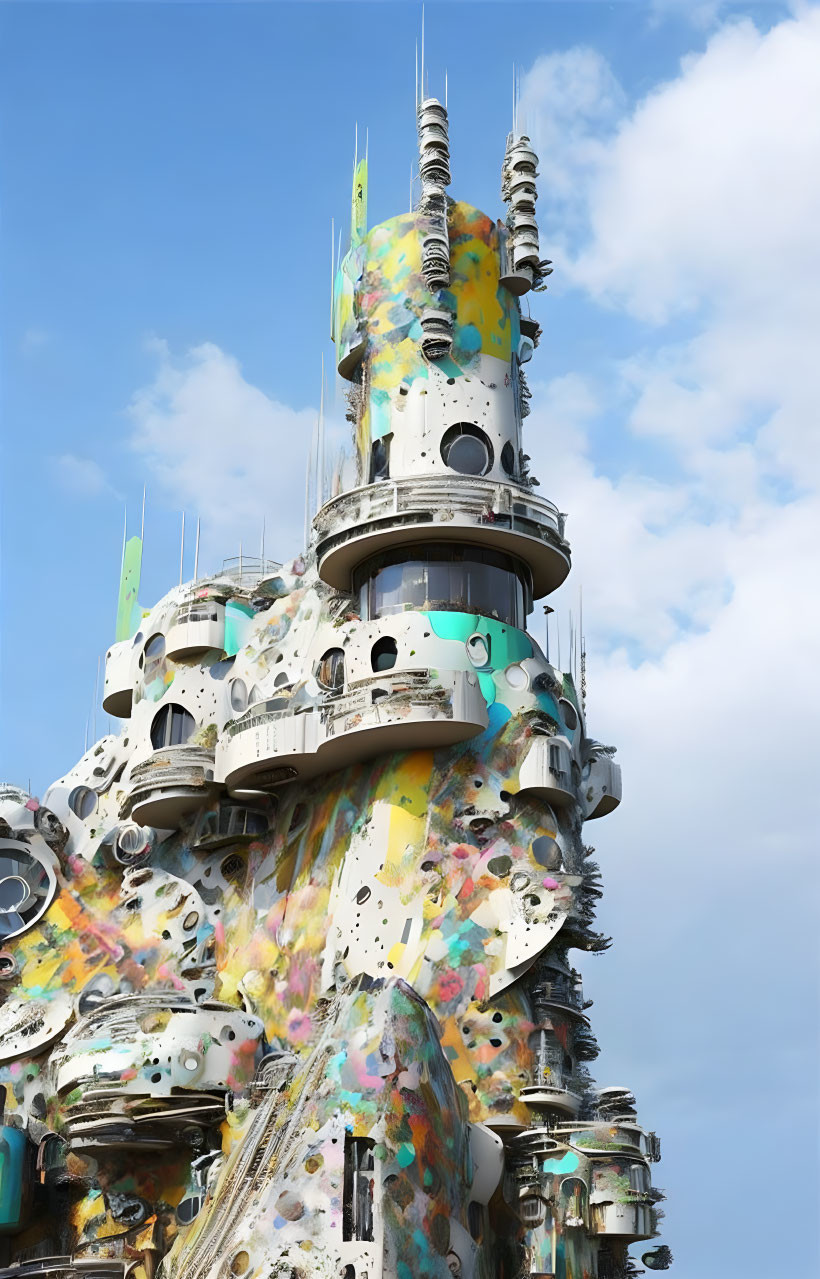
391,711
118,686
458,508
168,785
549,1097
197,626
632,1220
601,787
606,1139
70,1267
545,771
151,1068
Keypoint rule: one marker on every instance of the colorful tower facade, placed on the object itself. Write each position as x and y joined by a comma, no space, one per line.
288,960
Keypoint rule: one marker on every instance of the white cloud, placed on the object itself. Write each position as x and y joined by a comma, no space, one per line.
82,477
222,449
32,340
699,208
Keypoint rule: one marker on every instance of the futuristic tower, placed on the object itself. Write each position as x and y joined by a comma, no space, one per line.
287,961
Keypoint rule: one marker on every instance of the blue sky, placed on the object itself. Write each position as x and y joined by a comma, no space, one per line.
170,172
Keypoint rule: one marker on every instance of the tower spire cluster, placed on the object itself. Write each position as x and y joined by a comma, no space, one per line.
289,958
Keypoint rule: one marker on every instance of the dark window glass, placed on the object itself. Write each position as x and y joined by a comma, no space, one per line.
357,1203
82,801
155,648
331,670
466,449
383,654
459,578
172,726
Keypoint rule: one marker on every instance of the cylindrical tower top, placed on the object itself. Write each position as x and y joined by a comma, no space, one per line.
429,332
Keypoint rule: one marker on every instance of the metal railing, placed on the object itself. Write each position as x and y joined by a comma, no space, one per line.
488,501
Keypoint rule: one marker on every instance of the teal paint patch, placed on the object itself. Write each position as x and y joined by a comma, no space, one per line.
487,685
12,1156
406,1154
548,704
507,644
380,410
469,338
568,1163
237,624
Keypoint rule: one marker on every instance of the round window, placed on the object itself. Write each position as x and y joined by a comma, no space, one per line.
383,654
478,649
467,449
155,648
330,672
517,677
570,714
132,840
239,695
82,802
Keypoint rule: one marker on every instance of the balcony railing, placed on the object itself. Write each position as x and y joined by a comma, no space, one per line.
374,516
407,710
173,781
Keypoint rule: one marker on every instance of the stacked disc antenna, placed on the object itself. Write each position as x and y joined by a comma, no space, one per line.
434,171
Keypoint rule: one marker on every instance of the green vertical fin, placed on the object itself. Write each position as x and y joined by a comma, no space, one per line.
128,610
358,208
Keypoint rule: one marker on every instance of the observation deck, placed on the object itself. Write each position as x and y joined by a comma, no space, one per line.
601,787
546,770
408,710
389,513
119,683
171,783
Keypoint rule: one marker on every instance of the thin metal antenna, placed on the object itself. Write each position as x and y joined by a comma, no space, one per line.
124,538
96,695
583,652
417,75
332,273
307,489
196,552
182,549
547,611
320,443
422,53
571,668
513,99
445,88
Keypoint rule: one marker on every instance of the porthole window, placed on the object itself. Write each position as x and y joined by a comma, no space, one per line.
82,802
255,695
466,449
478,649
239,696
508,458
155,648
517,677
27,888
383,654
570,714
132,842
331,670
172,726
